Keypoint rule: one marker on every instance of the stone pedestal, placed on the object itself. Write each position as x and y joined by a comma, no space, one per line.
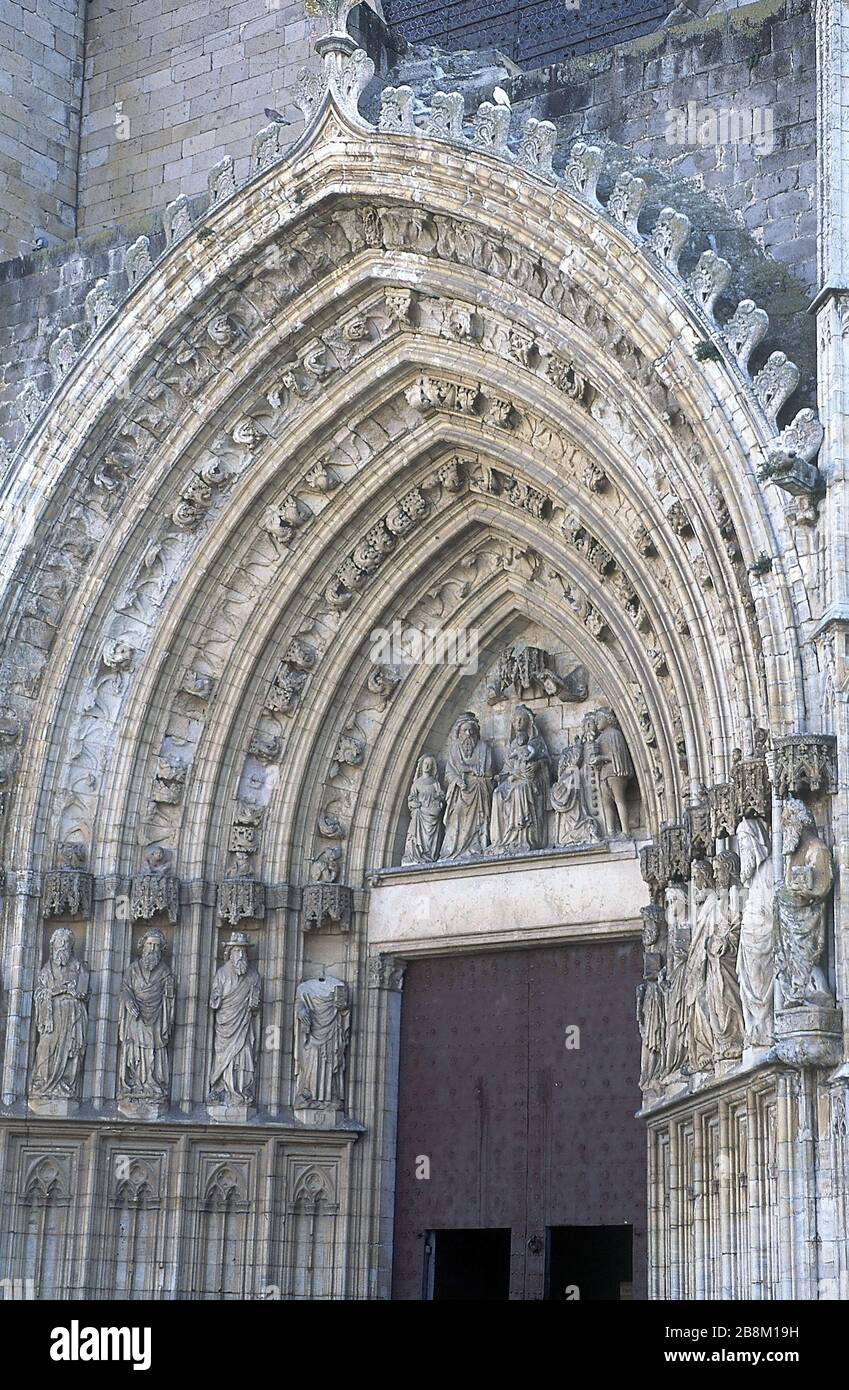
809,1035
59,1107
142,1108
230,1112
755,1054
324,1116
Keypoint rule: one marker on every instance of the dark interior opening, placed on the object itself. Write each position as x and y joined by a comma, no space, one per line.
589,1263
467,1265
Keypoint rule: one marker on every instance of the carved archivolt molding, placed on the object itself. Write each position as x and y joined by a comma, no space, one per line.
249,367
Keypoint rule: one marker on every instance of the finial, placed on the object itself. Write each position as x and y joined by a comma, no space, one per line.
335,38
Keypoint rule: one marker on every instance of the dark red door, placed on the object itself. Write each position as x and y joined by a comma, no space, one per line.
518,1089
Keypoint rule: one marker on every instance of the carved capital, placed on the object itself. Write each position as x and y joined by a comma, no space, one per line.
386,972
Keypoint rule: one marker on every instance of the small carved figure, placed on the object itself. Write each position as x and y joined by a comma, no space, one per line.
801,902
61,1018
426,802
575,825
612,761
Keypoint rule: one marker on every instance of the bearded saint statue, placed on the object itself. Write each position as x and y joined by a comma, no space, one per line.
145,1022
235,1001
61,1019
468,782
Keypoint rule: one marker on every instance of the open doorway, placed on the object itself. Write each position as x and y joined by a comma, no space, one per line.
589,1263
467,1264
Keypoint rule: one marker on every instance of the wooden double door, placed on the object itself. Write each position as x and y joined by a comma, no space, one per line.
520,1168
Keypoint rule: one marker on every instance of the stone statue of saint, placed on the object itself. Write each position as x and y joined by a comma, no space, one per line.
322,1030
520,798
468,783
801,901
678,937
651,1001
575,825
61,1019
145,1022
722,988
614,769
755,957
427,803
234,1000
703,912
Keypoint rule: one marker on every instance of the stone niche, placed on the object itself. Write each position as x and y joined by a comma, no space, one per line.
533,668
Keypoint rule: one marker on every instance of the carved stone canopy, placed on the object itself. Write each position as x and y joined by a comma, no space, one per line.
750,781
674,844
327,907
240,895
723,810
152,893
68,888
697,821
530,670
805,762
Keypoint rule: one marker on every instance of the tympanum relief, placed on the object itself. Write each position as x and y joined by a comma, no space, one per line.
522,777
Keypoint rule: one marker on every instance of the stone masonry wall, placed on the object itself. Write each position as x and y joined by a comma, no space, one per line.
718,115
171,87
41,73
676,99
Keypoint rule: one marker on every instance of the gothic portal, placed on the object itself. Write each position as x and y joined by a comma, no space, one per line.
422,560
